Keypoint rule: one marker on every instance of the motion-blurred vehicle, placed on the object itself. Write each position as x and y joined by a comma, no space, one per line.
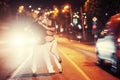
108,45
74,35
108,49
78,36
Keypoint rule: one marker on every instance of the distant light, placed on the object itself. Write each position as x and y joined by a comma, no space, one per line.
85,17
79,37
47,13
94,19
30,6
94,26
86,26
95,36
63,11
39,8
36,11
79,26
21,9
106,14
76,15
57,26
71,24
61,30
66,7
84,13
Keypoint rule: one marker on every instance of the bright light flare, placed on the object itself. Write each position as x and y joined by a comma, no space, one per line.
20,34
22,40
18,41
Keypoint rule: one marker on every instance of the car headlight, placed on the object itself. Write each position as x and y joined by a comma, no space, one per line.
17,41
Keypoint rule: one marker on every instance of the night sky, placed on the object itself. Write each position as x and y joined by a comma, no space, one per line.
47,3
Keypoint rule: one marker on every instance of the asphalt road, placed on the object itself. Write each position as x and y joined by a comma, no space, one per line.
78,62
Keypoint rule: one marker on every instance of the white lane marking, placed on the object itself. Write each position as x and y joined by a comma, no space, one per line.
18,69
75,65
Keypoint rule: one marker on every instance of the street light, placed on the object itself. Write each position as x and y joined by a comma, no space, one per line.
21,9
67,8
55,12
30,6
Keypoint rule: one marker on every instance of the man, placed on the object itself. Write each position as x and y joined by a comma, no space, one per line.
46,47
52,44
40,33
50,31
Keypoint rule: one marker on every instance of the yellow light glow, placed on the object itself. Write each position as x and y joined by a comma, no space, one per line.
63,11
21,9
94,19
66,7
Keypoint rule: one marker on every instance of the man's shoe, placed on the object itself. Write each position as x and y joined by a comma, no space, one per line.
60,70
51,71
60,60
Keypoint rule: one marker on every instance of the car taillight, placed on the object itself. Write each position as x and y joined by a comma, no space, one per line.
118,40
118,53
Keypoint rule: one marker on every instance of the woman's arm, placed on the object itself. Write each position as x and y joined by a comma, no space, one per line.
46,27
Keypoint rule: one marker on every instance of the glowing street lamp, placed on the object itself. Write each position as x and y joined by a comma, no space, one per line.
67,8
30,6
63,11
39,8
55,12
21,9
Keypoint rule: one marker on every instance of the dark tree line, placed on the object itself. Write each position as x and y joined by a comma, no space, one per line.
102,9
4,10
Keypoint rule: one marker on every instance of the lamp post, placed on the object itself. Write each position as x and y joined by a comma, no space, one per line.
82,22
67,8
67,11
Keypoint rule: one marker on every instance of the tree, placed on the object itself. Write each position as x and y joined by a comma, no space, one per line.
102,9
4,10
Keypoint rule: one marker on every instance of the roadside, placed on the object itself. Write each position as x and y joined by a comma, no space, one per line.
91,42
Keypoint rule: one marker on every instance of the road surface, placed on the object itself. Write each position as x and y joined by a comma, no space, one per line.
78,62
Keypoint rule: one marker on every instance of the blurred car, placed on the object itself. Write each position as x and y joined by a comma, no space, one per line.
108,44
74,35
78,36
108,49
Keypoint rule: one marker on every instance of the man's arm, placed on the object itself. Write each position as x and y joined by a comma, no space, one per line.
46,27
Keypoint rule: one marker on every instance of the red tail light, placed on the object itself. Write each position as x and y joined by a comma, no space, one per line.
118,53
118,40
